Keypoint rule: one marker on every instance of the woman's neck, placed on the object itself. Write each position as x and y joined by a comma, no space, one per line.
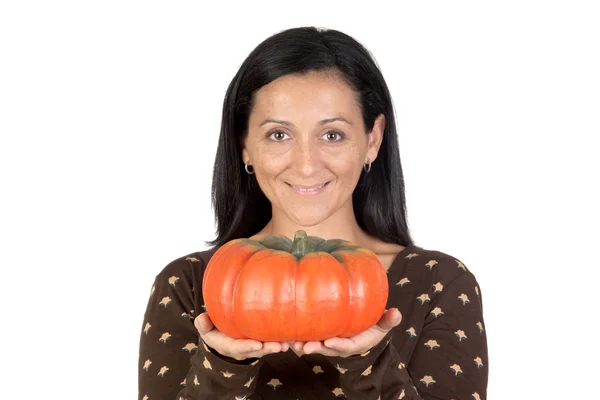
333,228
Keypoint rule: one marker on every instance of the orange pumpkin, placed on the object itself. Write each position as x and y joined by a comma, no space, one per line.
310,289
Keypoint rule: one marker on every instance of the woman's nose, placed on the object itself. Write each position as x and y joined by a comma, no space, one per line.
305,156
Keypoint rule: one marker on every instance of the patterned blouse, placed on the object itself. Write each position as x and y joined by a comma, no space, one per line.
438,351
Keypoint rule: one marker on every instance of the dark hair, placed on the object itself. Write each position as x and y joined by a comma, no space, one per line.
241,208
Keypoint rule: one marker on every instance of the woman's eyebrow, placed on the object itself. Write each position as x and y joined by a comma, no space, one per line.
322,122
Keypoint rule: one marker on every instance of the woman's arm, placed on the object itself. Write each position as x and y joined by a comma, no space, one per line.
449,361
173,362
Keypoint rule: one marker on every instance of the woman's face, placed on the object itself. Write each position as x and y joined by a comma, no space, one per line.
307,144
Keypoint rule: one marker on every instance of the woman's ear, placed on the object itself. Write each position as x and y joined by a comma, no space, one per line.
375,138
245,156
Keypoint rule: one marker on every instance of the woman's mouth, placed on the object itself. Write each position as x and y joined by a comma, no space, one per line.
308,190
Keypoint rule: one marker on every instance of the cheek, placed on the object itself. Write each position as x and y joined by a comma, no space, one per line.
346,167
272,158
267,169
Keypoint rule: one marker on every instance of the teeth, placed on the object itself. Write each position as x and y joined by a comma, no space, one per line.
309,189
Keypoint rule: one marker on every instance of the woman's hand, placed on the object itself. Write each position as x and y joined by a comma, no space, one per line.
359,344
239,349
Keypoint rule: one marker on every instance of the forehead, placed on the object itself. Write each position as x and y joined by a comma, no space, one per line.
315,92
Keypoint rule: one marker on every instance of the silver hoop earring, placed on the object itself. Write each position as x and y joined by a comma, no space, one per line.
246,168
367,169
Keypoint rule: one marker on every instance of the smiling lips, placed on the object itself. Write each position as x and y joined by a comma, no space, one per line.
308,190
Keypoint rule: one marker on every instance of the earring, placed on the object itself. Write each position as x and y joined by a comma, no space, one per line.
246,168
367,169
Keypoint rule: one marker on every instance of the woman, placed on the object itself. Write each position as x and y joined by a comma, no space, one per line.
308,141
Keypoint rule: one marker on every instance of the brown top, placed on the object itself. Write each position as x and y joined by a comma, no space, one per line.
438,351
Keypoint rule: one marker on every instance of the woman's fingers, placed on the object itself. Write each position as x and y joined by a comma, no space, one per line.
238,349
342,345
390,319
203,323
318,347
268,348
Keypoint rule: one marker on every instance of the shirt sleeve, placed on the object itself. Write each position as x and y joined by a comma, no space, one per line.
450,358
214,376
361,375
174,362
450,361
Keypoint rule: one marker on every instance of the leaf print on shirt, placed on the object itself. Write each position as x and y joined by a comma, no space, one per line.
173,280
412,255
147,328
188,348
227,374
432,344
424,298
427,380
464,298
460,334
338,392
478,362
206,363
317,370
165,301
367,371
196,380
247,384
438,287
431,263
411,332
342,370
274,383
147,365
436,312
402,282
165,336
163,371
193,259
456,369
480,326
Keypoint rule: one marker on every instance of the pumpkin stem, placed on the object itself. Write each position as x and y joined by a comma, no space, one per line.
300,244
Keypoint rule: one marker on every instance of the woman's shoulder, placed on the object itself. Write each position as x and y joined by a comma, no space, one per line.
440,265
188,264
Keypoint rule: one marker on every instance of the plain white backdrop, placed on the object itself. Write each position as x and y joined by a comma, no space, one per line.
109,120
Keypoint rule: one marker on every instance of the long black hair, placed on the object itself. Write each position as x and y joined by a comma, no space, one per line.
241,208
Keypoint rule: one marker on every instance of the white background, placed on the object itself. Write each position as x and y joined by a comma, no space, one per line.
109,120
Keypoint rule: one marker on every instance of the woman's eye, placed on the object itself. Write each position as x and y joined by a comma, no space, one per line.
278,136
331,136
